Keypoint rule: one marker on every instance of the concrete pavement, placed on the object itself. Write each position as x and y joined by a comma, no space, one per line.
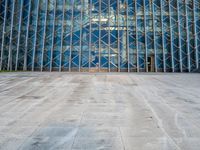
88,111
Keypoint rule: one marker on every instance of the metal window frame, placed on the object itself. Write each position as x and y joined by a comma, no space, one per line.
62,31
90,35
9,65
19,34
35,36
71,37
53,35
27,37
3,35
145,34
118,37
154,34
136,23
171,42
109,59
80,38
180,44
163,38
99,36
127,35
195,35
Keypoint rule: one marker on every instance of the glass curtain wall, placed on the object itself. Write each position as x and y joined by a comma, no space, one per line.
100,35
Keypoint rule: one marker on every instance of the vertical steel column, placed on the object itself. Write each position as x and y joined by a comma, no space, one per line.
18,36
99,35
2,4
127,35
118,36
188,36
138,63
90,34
53,33
195,34
62,30
3,34
145,34
154,36
163,38
109,60
71,37
9,65
179,32
80,38
43,42
35,39
171,38
27,36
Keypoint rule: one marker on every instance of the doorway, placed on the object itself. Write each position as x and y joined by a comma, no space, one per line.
151,64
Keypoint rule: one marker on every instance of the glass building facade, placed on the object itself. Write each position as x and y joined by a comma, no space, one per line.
100,35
